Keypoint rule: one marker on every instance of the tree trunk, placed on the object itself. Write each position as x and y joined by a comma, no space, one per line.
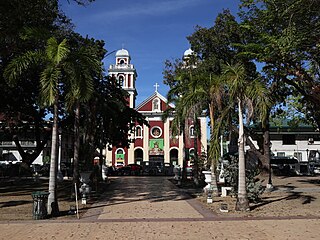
53,208
76,145
196,161
267,155
214,184
242,198
184,163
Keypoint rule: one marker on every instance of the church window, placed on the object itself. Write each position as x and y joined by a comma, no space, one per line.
121,80
122,62
120,151
192,132
138,132
156,132
156,105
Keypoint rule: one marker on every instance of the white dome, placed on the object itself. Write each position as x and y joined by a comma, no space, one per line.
188,52
122,53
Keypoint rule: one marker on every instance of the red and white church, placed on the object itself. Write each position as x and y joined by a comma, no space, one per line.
154,142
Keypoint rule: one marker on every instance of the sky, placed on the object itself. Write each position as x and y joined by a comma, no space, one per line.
152,31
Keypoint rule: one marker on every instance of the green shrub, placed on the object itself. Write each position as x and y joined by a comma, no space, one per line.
253,184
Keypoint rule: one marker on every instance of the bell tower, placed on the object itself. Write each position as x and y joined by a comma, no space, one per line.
126,74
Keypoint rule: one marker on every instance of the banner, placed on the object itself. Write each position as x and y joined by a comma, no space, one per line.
156,147
119,159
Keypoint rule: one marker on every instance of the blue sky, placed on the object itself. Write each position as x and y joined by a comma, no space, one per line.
152,31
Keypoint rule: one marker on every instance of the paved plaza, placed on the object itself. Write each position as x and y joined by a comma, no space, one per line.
154,208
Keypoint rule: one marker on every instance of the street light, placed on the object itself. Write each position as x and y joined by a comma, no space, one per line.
109,53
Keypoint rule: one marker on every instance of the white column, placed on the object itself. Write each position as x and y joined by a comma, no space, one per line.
204,134
181,151
166,139
131,152
145,143
108,156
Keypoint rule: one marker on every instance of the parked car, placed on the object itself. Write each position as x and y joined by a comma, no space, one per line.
123,170
168,169
284,165
136,169
153,168
149,168
130,169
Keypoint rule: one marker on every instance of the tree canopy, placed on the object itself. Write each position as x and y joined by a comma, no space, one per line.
26,27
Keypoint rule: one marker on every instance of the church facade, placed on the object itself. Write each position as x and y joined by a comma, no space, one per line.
154,142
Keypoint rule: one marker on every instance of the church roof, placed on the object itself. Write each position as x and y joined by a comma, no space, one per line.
156,94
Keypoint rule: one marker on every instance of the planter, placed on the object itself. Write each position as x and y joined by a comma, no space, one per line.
85,188
85,177
207,175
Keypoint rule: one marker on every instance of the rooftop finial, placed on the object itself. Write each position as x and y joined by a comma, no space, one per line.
156,86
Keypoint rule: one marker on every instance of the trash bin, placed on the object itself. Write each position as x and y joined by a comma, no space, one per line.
39,205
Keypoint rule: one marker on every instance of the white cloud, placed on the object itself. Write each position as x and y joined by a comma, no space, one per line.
148,8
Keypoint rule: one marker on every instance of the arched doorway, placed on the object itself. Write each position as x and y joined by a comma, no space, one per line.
138,156
174,156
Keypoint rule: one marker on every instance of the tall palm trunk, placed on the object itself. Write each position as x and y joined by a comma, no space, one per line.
53,208
184,163
76,144
242,199
196,160
214,184
267,153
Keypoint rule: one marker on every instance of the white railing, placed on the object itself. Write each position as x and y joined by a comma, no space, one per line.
121,66
23,143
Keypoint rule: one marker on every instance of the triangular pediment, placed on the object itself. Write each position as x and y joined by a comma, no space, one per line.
155,103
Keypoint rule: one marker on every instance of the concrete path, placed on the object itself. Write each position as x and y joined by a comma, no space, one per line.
153,208
146,198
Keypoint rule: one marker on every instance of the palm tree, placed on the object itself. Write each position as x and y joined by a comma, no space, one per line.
82,67
247,94
52,59
206,93
198,90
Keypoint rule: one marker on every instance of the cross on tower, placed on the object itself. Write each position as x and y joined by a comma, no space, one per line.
156,86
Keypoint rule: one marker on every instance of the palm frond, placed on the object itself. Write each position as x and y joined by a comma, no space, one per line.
20,64
49,85
55,51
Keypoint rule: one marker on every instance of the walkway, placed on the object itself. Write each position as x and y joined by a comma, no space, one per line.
146,199
153,208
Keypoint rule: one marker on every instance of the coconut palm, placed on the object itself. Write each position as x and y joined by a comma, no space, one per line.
82,67
51,61
197,90
213,93
247,93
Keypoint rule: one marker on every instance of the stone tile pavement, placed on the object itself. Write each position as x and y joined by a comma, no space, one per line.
153,208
